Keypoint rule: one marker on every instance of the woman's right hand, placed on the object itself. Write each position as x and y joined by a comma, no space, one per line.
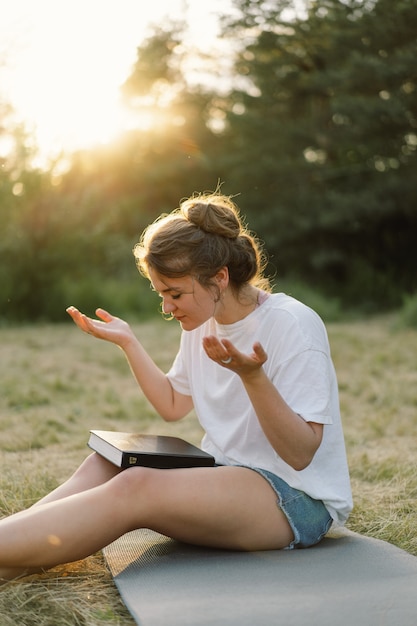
107,327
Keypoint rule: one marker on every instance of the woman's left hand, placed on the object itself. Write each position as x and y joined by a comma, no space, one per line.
225,354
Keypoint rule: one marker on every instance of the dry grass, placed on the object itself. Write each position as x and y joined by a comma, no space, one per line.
57,383
377,371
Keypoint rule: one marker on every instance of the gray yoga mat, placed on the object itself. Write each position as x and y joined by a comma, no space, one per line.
348,580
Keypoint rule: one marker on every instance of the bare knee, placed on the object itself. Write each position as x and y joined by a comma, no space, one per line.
135,492
132,482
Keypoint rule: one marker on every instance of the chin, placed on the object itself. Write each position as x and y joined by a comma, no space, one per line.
188,324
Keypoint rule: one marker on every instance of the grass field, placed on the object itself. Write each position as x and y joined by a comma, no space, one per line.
56,383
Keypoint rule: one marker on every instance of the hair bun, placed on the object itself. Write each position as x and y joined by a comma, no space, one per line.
217,215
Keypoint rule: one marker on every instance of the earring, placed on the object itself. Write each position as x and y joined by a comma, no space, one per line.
166,316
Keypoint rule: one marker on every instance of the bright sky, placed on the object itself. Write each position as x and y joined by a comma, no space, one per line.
62,61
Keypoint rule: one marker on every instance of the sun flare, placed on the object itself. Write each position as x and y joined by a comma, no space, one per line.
68,86
69,60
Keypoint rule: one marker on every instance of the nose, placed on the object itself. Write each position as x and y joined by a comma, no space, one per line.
168,307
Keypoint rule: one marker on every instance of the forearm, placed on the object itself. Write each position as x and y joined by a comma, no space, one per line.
155,384
294,439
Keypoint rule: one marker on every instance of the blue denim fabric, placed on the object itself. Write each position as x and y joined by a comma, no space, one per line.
308,518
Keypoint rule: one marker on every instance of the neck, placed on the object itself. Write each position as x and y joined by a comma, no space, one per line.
233,307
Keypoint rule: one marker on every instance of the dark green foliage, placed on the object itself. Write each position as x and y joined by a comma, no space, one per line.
319,142
408,314
326,142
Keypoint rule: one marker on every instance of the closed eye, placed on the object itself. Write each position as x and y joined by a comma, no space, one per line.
174,296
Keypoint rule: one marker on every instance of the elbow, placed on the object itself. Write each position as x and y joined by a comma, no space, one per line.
177,407
170,416
301,461
301,464
303,457
174,414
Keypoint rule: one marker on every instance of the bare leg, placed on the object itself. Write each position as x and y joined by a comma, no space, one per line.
94,471
226,507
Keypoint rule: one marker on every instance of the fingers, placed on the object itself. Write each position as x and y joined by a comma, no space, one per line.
217,351
79,318
83,322
226,355
104,315
70,310
260,352
74,313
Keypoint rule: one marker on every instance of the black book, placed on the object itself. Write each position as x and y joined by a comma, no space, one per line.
159,451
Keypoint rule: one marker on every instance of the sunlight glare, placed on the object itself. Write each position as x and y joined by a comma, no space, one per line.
70,58
69,94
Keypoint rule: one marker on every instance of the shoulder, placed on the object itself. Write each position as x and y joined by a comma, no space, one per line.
289,316
284,307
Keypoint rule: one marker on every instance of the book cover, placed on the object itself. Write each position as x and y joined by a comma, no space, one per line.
158,451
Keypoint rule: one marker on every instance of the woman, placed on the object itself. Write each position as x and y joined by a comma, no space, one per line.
255,366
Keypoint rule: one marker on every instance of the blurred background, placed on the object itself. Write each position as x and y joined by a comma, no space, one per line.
111,113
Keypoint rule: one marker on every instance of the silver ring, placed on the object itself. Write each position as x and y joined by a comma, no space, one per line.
226,361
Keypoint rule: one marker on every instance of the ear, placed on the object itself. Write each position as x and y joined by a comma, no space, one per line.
222,277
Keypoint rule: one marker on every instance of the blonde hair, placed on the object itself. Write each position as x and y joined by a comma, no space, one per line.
203,235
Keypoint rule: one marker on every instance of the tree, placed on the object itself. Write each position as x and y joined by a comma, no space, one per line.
71,242
325,139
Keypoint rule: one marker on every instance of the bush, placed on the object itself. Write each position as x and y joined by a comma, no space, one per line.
125,297
329,308
408,313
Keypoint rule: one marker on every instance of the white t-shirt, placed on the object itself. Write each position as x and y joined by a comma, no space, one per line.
299,365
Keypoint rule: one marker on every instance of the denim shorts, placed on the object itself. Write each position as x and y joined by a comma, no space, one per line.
309,519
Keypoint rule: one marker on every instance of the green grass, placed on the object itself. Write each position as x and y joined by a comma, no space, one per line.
56,383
